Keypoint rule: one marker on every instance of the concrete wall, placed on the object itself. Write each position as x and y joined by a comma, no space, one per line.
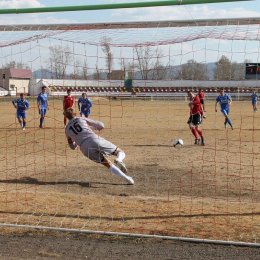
4,78
197,84
20,85
36,84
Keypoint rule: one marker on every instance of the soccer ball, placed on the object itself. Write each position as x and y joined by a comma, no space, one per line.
178,143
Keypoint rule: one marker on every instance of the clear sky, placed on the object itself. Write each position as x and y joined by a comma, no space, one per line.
222,10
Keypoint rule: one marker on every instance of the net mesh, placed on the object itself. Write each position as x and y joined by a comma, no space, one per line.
209,192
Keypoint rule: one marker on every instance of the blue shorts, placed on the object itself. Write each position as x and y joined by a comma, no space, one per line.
43,112
225,111
21,114
254,102
85,113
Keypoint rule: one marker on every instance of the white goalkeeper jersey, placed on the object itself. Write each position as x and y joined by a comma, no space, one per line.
80,129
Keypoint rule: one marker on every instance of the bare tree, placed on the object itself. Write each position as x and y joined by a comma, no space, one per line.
192,70
96,74
85,70
144,60
15,65
106,48
77,69
128,68
227,70
223,69
60,57
149,63
159,71
238,71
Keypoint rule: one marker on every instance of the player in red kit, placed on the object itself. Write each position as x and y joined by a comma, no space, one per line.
195,119
68,102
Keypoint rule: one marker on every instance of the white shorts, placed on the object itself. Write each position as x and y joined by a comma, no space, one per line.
96,149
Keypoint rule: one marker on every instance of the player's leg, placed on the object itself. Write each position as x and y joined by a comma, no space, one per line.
42,114
197,121
195,134
82,114
201,134
41,118
228,120
225,122
24,120
87,114
19,118
120,156
193,122
115,170
24,123
97,150
192,129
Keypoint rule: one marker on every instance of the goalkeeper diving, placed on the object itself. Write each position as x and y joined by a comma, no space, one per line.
79,132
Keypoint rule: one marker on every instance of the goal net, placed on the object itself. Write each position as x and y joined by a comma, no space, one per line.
137,76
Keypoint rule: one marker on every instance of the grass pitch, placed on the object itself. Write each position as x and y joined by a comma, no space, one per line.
209,192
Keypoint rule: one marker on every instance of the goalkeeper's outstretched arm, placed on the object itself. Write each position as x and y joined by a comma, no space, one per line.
94,124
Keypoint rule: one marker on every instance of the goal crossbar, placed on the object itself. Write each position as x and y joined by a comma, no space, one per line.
132,25
110,6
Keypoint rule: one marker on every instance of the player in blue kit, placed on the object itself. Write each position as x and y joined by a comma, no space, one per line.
42,102
21,105
224,100
84,105
254,98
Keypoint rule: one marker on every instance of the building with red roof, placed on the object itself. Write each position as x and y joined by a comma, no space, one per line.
15,80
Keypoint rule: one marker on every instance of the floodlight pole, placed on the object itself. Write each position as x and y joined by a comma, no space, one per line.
110,6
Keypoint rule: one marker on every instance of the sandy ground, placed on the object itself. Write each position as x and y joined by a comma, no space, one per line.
69,246
209,192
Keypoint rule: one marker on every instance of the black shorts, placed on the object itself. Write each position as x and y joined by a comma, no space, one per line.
195,119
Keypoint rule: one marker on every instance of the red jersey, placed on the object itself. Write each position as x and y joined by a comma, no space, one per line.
201,95
68,102
196,107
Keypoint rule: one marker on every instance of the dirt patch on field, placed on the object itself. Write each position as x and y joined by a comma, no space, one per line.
38,245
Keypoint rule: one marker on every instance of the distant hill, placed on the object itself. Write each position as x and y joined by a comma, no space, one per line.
47,74
43,74
211,66
170,73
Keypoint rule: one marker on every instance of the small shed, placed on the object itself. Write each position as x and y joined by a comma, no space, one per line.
15,80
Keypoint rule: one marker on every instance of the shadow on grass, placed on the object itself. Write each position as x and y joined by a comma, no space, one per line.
161,217
30,180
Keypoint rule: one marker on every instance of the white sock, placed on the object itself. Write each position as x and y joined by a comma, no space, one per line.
120,156
118,172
